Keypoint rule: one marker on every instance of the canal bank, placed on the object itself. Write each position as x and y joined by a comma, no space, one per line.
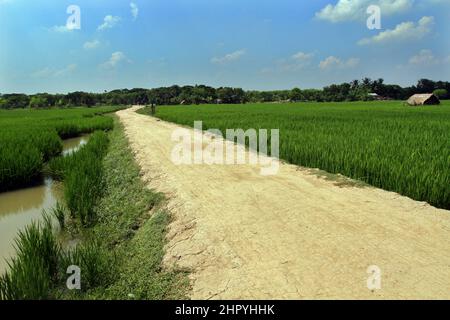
120,255
19,208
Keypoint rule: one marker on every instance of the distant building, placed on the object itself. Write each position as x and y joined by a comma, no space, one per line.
376,96
423,99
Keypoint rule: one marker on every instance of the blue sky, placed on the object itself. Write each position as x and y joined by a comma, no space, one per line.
254,44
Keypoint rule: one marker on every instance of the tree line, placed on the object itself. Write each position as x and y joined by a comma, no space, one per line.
357,90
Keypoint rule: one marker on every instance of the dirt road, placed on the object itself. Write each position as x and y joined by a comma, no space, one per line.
293,235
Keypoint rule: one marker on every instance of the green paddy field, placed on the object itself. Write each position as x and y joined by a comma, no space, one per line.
385,144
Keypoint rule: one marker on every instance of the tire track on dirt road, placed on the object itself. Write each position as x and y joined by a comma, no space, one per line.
293,235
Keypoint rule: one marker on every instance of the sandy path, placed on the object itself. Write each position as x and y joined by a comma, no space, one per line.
293,235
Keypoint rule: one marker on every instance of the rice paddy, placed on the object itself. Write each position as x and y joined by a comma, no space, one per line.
104,209
82,173
385,144
29,138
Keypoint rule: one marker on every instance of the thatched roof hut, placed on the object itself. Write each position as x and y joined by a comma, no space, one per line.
423,99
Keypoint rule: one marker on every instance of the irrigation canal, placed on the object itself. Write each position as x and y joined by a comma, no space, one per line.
19,208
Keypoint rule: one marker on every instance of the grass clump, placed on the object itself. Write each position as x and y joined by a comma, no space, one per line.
82,173
132,225
35,267
141,274
97,264
38,272
59,213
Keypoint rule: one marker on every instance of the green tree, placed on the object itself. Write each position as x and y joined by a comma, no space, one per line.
441,93
15,100
425,86
3,103
296,94
38,102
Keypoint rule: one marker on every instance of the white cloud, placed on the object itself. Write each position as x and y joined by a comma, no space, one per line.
50,72
67,70
404,31
61,29
91,44
134,10
296,62
352,62
109,22
301,60
302,57
329,62
116,58
43,73
229,57
425,58
333,62
345,10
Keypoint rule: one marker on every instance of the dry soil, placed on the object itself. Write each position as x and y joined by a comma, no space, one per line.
292,235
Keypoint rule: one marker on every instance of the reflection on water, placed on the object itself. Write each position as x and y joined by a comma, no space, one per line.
73,144
18,208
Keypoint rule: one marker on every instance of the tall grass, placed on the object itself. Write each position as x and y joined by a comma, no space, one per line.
385,144
38,272
35,266
121,254
82,173
39,269
96,263
29,138
59,213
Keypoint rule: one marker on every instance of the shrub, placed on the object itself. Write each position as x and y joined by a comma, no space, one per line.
441,93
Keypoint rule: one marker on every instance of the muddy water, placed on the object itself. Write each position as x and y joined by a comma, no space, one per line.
18,208
73,144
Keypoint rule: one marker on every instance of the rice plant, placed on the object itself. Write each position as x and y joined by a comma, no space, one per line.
38,272
385,144
30,138
97,264
59,212
35,266
82,173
